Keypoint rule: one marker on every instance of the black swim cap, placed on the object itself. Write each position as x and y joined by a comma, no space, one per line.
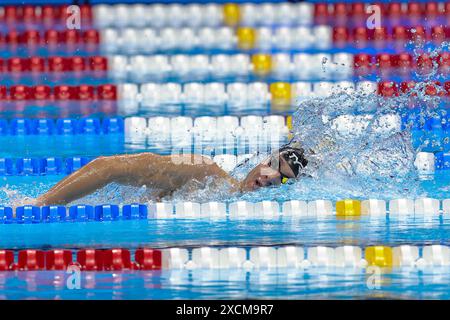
294,157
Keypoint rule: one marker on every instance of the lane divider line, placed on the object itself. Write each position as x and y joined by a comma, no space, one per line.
246,258
425,209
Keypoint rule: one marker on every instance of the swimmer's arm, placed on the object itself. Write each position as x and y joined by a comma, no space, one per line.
137,169
133,169
84,181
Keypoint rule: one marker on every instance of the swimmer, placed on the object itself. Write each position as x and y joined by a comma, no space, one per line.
166,174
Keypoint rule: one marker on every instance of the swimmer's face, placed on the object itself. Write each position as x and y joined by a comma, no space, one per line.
267,173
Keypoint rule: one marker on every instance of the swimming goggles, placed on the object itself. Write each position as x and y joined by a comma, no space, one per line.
295,160
284,179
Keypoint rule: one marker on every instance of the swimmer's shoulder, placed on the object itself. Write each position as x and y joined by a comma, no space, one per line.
177,159
139,156
191,159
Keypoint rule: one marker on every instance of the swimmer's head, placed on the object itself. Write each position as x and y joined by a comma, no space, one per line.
281,166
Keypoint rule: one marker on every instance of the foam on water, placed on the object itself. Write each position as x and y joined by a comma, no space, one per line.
366,159
361,161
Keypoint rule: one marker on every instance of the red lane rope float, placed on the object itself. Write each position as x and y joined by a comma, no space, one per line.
47,14
361,35
59,92
50,37
365,64
53,64
109,91
116,259
324,11
391,89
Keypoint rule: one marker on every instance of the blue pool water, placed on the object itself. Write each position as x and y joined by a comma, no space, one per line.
207,284
194,233
314,283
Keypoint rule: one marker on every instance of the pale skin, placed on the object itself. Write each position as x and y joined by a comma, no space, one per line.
164,173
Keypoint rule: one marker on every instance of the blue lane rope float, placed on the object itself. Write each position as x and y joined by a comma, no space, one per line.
78,213
41,166
342,209
31,166
62,126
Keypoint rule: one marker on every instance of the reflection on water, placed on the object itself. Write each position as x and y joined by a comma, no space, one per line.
331,283
220,232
